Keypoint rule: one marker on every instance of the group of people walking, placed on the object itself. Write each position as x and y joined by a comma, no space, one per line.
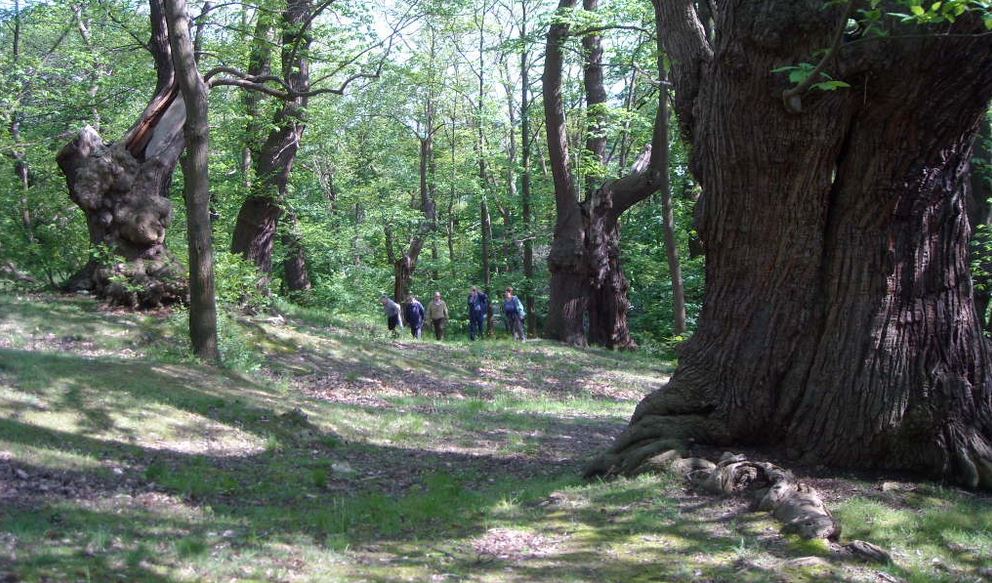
416,315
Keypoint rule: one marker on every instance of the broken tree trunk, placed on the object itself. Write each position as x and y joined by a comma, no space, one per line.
123,188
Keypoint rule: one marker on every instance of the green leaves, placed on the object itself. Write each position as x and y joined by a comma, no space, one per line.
798,74
941,11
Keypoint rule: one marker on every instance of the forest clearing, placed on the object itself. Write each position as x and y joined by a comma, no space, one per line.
340,454
495,290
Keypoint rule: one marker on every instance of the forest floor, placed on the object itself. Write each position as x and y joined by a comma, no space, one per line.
337,453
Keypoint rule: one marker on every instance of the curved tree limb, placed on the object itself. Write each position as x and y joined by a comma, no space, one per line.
684,39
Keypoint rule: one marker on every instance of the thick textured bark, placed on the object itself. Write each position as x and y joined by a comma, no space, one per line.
123,188
588,288
838,319
258,219
568,282
202,305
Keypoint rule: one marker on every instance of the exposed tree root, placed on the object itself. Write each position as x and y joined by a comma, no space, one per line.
773,489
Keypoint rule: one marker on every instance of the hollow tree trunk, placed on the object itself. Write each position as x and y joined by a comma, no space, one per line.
123,189
838,319
258,220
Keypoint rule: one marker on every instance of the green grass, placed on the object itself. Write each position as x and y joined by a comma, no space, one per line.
448,461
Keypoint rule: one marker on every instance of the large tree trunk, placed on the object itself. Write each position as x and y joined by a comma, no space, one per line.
838,319
258,220
588,288
123,188
202,305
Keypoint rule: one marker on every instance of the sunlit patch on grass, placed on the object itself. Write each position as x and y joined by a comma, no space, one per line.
351,456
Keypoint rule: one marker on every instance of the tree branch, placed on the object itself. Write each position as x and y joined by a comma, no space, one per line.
684,40
598,29
792,97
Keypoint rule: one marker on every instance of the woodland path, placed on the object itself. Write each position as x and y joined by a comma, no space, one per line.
341,454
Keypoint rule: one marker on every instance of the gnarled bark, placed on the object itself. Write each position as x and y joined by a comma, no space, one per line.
838,320
123,188
588,287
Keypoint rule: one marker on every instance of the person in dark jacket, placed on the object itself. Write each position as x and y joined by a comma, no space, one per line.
513,311
478,307
414,315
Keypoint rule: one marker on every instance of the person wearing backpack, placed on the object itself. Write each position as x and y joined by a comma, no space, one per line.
513,311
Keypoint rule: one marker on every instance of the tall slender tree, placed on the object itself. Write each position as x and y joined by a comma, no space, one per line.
668,221
526,178
202,306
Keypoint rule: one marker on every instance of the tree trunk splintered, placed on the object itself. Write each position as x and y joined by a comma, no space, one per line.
123,189
838,321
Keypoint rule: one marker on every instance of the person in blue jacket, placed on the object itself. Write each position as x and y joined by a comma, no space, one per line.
414,313
513,311
478,307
